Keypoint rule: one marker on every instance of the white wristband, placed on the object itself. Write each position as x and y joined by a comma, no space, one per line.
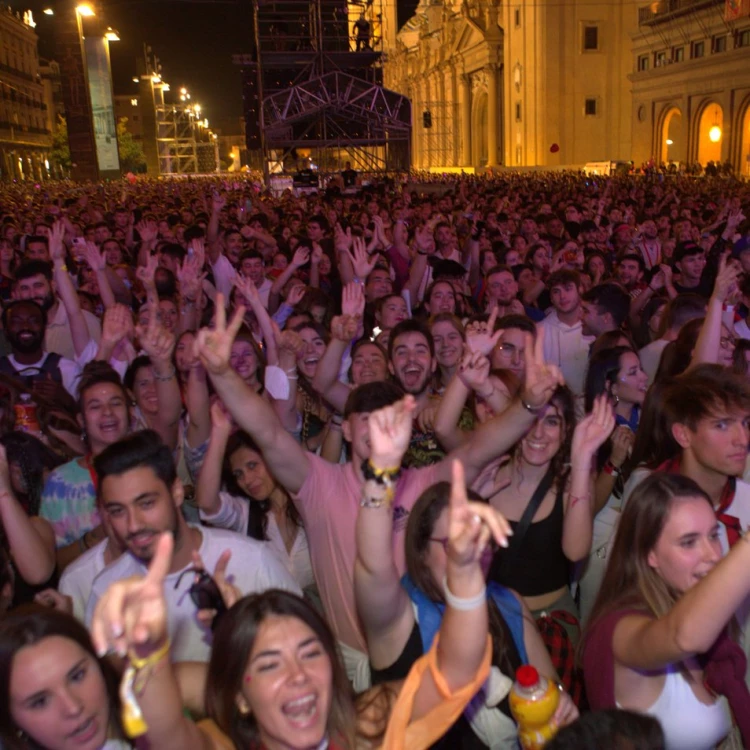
461,604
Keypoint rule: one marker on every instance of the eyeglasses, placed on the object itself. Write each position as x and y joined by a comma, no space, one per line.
204,593
509,350
727,342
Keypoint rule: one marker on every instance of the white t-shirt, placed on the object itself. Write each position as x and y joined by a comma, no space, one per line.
253,568
567,347
233,514
78,578
58,337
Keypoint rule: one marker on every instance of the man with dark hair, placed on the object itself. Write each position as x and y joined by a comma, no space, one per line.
37,248
24,323
328,495
690,259
629,272
566,343
35,280
605,308
252,266
140,496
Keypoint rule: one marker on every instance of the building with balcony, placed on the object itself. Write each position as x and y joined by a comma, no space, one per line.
25,137
691,84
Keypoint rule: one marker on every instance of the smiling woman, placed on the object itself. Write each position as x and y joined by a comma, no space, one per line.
665,600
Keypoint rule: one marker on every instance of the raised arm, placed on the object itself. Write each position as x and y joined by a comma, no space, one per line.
197,402
709,338
159,344
286,459
326,381
98,264
209,480
590,434
694,622
249,293
31,540
212,230
78,329
382,603
463,645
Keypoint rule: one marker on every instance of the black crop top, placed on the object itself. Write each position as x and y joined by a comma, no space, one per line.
540,566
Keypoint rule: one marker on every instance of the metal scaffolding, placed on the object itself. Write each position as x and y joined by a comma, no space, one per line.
176,140
313,89
438,140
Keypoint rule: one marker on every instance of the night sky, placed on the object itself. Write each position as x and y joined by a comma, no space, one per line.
193,39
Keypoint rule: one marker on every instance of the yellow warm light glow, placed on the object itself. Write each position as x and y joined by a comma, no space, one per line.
198,108
85,10
48,12
714,135
669,141
111,35
183,91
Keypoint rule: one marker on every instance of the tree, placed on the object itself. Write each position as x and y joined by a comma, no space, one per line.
132,158
60,153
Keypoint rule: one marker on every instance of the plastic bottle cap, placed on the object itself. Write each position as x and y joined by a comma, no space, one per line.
527,676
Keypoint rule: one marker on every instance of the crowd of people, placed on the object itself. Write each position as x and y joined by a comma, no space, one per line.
322,470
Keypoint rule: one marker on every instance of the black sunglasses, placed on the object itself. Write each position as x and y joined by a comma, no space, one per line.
204,593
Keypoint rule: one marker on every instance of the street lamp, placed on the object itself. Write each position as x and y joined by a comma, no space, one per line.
85,10
111,35
48,12
714,135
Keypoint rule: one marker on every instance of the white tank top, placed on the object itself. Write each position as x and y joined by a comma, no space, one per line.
687,723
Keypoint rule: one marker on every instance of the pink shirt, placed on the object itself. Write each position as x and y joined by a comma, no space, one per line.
328,502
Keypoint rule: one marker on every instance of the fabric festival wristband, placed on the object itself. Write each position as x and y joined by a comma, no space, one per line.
461,604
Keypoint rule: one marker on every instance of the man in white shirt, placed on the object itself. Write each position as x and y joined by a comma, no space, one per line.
140,495
565,343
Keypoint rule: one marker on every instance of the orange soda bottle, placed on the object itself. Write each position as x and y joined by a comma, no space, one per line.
533,701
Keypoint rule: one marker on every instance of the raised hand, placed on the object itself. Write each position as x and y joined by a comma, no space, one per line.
727,278
248,290
471,525
541,379
156,340
133,612
218,202
214,347
290,343
424,240
317,254
148,231
353,300
361,261
301,256
390,433
342,241
344,327
593,430
190,278
296,294
94,257
117,324
146,273
56,243
623,439
474,370
480,338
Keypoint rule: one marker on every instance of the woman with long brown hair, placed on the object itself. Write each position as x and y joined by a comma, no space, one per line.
657,639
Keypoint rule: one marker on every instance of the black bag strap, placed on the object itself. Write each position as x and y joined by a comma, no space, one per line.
508,556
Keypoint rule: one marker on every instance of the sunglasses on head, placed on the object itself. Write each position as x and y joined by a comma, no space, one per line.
204,593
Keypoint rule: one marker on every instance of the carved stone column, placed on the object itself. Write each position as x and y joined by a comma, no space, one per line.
465,86
493,115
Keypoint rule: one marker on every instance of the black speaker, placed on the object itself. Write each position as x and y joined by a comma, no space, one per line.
427,119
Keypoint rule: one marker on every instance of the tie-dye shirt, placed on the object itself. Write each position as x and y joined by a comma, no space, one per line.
69,502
